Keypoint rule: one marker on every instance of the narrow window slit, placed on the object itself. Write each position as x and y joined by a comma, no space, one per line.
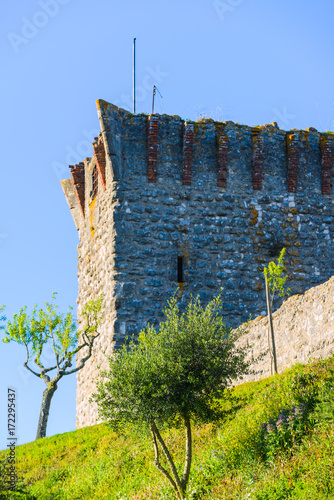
180,277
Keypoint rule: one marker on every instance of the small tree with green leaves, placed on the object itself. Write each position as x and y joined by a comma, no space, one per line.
275,284
275,277
46,328
173,374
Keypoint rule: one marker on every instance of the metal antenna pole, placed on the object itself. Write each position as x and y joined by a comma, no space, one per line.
154,87
134,76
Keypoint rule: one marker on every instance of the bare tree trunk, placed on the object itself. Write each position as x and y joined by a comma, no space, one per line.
169,458
161,468
179,485
45,409
187,463
271,328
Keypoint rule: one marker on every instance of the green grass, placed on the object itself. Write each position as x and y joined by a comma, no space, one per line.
232,458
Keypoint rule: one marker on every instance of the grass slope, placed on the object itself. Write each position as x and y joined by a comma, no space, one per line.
290,457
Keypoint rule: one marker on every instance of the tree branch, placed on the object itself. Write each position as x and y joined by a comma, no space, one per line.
54,350
45,370
159,466
28,354
32,371
45,377
42,375
37,361
83,360
85,336
167,455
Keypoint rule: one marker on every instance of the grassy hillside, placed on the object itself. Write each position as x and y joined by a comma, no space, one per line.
275,441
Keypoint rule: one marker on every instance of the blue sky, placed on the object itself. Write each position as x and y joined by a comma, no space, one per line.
250,61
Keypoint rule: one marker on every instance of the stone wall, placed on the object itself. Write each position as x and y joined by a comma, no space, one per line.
303,330
220,198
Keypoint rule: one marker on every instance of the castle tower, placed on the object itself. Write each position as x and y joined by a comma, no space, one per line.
201,206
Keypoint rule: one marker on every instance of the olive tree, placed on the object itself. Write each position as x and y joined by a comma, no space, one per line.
173,374
47,329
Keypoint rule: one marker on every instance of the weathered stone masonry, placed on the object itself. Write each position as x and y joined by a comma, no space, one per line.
303,327
223,197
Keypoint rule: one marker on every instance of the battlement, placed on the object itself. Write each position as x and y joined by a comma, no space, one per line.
238,157
193,147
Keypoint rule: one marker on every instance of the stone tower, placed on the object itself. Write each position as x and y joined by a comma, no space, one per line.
165,203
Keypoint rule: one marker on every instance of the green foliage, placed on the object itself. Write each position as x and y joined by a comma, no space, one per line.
324,410
42,327
95,462
284,432
175,371
274,275
305,388
48,327
265,403
92,315
5,486
3,472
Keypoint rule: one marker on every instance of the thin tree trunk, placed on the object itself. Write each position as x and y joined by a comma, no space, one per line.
271,328
168,457
187,463
45,409
161,468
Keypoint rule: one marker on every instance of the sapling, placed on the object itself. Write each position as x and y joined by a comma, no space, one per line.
46,328
275,284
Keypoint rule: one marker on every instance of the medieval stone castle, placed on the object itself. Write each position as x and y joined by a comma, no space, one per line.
200,206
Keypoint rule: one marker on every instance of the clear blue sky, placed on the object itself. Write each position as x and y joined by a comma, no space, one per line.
250,61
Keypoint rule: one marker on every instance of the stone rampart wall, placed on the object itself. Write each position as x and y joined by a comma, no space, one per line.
303,330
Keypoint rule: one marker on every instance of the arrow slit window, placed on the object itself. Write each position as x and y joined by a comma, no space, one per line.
180,277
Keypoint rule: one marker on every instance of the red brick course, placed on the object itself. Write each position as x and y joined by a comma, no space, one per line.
78,178
326,145
188,137
222,154
99,152
152,147
257,161
293,159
